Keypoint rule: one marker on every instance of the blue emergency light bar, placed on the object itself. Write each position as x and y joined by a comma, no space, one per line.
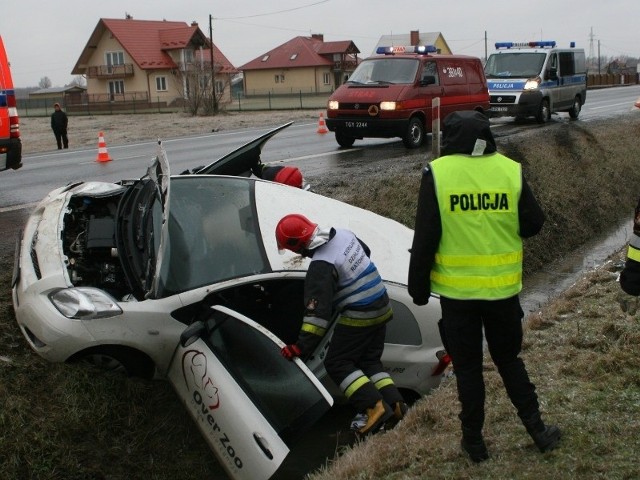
540,44
422,49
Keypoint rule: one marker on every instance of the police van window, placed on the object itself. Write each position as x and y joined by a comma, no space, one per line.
430,69
567,66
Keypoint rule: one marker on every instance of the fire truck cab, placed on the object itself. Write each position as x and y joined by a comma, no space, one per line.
390,94
10,144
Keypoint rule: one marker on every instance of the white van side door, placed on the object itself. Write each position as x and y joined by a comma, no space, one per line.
247,400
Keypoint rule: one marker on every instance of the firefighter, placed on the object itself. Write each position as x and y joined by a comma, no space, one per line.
342,280
474,208
630,276
287,175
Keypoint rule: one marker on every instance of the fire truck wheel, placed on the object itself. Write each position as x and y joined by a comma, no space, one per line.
415,134
343,139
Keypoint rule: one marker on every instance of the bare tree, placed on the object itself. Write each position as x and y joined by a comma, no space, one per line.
45,82
78,81
193,81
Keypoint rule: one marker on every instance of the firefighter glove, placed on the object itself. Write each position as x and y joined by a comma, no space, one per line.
291,351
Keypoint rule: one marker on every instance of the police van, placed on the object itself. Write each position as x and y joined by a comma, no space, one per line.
536,79
10,144
390,94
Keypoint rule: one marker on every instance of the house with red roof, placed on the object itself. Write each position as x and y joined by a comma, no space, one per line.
301,65
159,62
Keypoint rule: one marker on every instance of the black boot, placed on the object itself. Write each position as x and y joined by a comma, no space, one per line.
546,437
473,444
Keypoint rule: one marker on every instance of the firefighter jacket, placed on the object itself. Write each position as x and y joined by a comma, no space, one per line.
630,275
341,279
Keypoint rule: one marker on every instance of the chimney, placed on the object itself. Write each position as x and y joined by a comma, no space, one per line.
318,36
194,23
415,38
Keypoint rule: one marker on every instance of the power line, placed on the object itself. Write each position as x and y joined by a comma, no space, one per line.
272,13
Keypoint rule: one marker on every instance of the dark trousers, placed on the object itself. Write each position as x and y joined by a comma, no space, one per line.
463,321
360,348
61,138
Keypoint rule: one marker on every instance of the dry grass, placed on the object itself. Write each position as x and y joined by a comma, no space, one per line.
582,352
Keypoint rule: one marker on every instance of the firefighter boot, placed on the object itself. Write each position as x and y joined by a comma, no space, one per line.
376,417
400,409
546,437
473,445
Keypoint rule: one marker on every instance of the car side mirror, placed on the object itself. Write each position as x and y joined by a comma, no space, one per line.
428,80
192,333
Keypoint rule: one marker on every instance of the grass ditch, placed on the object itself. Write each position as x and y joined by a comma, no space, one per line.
582,351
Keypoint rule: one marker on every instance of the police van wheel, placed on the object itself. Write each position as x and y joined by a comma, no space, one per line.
415,134
343,139
544,112
574,111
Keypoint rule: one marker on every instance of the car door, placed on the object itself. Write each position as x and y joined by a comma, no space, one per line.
247,400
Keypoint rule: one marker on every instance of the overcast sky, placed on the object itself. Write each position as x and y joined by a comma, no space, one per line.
46,38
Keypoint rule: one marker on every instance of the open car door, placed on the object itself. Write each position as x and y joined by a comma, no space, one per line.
247,400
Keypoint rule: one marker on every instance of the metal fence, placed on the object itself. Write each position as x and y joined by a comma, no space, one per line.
41,107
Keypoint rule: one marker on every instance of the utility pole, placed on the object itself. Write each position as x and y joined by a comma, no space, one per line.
213,67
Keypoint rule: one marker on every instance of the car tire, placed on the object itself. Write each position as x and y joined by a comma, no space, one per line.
127,361
574,111
414,137
544,111
343,139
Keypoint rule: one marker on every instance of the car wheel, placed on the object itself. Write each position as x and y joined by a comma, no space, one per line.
544,112
415,134
129,362
343,139
574,111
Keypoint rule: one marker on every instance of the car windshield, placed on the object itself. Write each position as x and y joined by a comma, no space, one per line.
516,64
385,70
213,233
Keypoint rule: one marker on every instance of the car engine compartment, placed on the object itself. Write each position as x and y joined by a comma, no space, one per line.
88,241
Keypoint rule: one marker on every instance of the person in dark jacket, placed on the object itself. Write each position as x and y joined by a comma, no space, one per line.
474,208
630,276
342,279
59,123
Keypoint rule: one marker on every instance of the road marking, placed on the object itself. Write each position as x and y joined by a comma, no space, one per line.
13,208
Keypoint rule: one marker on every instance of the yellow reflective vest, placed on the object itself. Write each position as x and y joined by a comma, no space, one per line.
480,252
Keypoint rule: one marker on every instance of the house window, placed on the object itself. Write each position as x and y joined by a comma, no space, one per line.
161,84
188,55
265,58
279,78
116,88
113,58
326,77
293,57
219,86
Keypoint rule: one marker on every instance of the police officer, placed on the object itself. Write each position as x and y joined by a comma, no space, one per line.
342,279
630,276
474,208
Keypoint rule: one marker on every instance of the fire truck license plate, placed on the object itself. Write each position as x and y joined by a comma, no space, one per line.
355,124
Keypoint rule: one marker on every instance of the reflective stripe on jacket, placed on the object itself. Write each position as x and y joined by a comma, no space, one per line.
480,252
360,295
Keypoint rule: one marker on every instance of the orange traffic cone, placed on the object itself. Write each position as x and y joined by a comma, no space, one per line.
103,155
322,127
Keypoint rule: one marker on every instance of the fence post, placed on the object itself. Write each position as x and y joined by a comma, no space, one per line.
300,99
269,99
435,127
239,105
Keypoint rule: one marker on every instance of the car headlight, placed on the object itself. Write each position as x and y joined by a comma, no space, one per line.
532,83
334,105
84,303
388,105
